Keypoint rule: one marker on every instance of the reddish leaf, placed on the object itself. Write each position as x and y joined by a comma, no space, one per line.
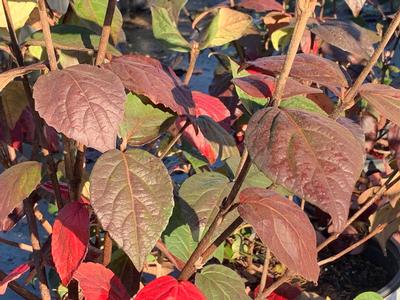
384,98
207,105
147,76
261,5
284,228
311,155
99,283
370,127
83,102
306,67
70,239
263,86
167,287
13,275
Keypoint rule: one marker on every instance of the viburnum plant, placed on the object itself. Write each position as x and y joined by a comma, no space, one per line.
113,220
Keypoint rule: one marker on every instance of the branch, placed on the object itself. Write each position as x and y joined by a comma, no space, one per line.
175,139
107,251
47,35
172,258
352,92
194,54
285,278
21,246
46,225
105,33
264,275
304,9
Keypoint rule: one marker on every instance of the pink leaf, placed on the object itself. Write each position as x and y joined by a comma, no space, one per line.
13,275
261,5
167,287
70,239
99,283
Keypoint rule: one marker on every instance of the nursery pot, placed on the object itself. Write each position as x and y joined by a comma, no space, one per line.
391,291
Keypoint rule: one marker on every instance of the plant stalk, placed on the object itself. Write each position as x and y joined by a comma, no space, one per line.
194,54
285,278
21,246
264,275
107,251
172,258
51,54
175,139
105,33
304,9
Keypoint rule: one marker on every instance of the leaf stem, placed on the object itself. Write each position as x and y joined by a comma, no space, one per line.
223,210
304,9
20,290
105,33
45,224
172,258
194,54
175,139
21,246
348,99
285,278
264,275
107,251
47,35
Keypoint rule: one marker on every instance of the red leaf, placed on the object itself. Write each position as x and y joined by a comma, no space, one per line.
13,275
99,283
263,86
147,76
210,106
167,287
70,239
261,5
284,228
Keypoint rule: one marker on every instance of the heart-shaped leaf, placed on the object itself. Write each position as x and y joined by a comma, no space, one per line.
313,156
284,228
263,86
70,239
16,184
129,191
261,5
218,282
305,67
167,287
83,102
13,275
8,76
147,76
98,282
385,99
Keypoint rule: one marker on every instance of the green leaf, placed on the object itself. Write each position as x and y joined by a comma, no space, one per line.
20,11
227,25
280,38
173,7
142,121
14,102
301,102
218,282
131,194
166,29
91,15
369,296
16,184
70,37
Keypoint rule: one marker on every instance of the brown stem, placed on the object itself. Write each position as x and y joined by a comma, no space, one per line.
388,184
37,257
304,9
352,92
20,290
107,251
172,258
21,246
105,33
194,54
47,35
175,139
373,233
285,278
78,172
226,204
264,275
46,225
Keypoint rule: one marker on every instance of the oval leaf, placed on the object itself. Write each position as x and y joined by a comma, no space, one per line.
13,275
305,67
147,76
129,191
218,282
311,155
385,99
83,102
99,283
167,287
70,239
284,228
16,184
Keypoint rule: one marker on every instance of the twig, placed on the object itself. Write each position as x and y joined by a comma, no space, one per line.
285,278
373,233
78,172
46,225
105,33
107,251
223,210
47,35
388,184
304,9
37,258
173,259
264,275
175,139
20,290
194,54
21,246
352,92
